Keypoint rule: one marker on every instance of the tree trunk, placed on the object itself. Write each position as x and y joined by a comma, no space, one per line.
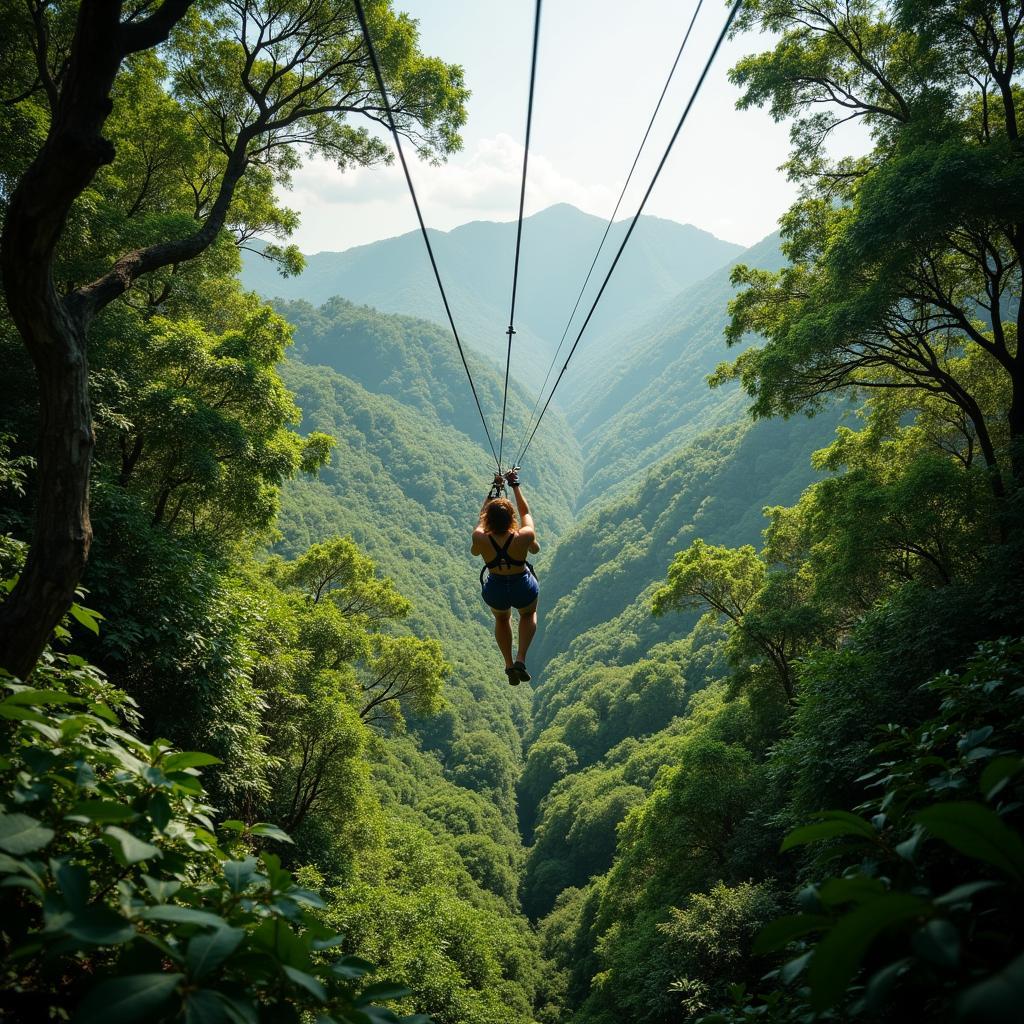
56,337
1015,421
62,531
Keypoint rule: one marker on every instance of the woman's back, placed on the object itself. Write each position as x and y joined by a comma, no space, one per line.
512,543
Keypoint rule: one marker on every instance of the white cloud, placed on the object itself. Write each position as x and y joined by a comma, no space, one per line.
363,204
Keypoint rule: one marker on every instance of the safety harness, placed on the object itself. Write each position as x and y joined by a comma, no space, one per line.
503,558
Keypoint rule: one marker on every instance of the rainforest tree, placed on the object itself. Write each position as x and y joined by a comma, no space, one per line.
237,91
905,262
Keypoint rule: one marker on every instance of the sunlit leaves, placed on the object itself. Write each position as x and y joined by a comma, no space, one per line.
891,920
132,883
905,259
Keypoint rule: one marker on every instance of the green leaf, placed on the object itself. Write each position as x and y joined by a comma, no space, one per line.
853,889
99,926
204,1006
161,889
8,865
380,1015
975,738
876,992
997,1000
206,952
838,955
137,997
182,915
938,941
383,990
976,832
86,617
38,698
963,893
128,848
309,898
997,775
908,848
21,714
188,759
352,968
101,811
832,825
102,711
238,1009
240,873
73,881
21,834
307,981
159,810
188,783
22,882
172,953
792,970
783,930
268,831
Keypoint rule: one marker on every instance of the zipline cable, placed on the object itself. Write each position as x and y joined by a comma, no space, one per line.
519,227
361,15
733,11
608,226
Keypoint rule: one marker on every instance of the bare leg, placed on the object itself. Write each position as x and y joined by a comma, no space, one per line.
527,631
503,634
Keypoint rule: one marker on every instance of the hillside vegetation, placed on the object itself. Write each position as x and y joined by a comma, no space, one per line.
259,759
475,259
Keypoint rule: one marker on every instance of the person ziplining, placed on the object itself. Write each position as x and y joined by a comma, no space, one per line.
508,580
501,540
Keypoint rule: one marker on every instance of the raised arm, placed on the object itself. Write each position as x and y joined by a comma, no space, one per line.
525,519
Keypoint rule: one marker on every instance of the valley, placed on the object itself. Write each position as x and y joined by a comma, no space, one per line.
260,758
639,457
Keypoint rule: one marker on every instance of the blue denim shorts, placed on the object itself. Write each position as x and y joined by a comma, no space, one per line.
505,592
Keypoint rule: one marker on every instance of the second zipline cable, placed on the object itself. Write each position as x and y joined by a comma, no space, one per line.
608,226
519,226
361,15
733,11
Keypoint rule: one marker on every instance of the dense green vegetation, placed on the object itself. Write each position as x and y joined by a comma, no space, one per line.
476,262
648,397
816,815
330,700
266,766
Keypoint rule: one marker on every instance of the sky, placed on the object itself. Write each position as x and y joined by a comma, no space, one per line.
601,67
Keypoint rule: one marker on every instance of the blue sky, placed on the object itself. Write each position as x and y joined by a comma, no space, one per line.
601,67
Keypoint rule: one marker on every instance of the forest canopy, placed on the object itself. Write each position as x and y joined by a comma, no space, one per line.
257,761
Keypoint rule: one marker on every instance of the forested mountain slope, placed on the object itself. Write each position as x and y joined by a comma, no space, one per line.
715,487
416,363
647,395
405,481
475,259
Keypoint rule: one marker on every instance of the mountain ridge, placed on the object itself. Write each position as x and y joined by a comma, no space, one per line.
475,261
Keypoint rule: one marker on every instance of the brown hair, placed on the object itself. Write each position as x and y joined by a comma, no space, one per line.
499,516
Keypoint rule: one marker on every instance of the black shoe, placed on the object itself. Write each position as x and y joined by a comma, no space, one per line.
520,667
513,676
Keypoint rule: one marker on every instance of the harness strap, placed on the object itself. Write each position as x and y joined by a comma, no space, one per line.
503,558
529,565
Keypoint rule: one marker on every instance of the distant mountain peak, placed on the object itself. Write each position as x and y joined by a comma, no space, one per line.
475,259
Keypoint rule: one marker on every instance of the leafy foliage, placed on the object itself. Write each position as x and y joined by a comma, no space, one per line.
937,849
116,876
